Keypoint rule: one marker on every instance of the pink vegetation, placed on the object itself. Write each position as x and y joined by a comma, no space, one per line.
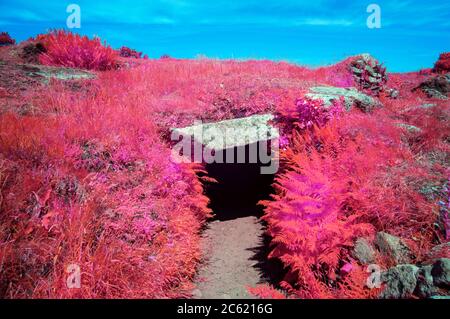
5,39
443,64
86,178
72,50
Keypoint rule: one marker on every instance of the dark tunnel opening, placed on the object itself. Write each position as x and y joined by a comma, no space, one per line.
239,188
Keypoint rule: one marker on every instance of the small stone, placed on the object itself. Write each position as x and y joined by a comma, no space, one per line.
394,94
441,272
364,251
393,246
400,282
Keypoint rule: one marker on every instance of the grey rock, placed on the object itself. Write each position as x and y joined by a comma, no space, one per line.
232,133
400,282
352,97
422,106
368,73
434,94
425,286
439,250
427,106
410,128
226,141
373,79
441,272
394,247
364,251
356,70
60,73
437,86
393,93
369,69
67,74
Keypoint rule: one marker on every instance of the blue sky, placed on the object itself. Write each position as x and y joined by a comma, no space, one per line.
312,32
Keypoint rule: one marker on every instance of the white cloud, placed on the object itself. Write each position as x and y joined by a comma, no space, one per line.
326,22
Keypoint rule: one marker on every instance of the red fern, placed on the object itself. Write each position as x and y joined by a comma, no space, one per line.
343,181
310,233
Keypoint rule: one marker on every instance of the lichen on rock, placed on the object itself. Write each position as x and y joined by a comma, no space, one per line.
351,96
368,73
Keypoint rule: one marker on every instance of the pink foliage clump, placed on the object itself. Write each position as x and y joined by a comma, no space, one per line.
126,52
73,50
443,64
5,39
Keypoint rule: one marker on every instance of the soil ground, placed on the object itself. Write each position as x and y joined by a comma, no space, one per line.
231,248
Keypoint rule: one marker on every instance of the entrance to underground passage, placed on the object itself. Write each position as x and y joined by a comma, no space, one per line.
235,243
235,197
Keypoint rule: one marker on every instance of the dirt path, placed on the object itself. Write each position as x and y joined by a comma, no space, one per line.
232,249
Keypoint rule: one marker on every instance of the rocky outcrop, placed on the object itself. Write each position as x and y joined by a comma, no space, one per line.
369,74
60,73
400,281
426,281
385,244
436,87
351,96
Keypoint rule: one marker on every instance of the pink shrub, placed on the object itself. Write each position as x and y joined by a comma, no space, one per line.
5,39
76,51
443,64
126,52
